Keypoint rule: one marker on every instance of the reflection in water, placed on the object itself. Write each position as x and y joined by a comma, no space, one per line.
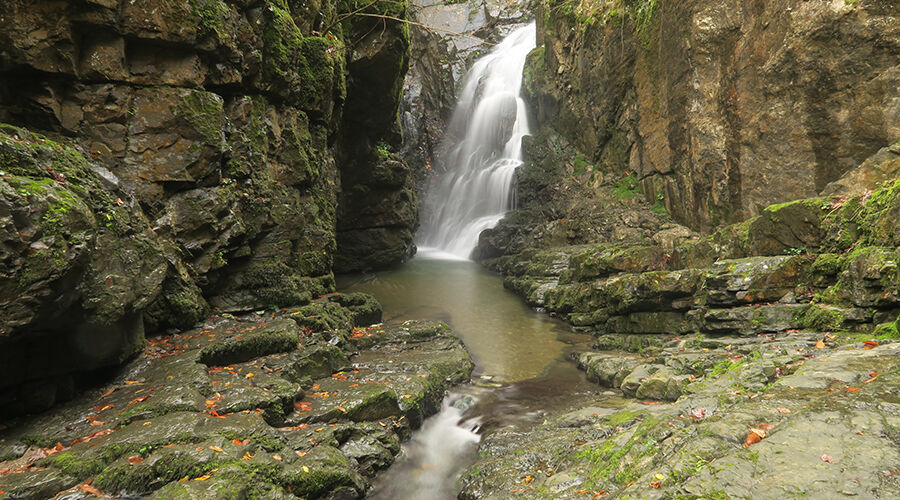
508,341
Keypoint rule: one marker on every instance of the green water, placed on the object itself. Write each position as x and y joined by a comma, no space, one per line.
507,340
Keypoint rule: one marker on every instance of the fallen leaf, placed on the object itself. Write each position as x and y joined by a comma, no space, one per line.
783,410
698,413
217,449
407,396
870,344
826,458
871,379
103,407
820,345
651,402
247,456
305,469
108,392
202,478
249,375
655,484
766,427
90,489
134,460
852,389
277,457
754,436
132,382
300,453
168,445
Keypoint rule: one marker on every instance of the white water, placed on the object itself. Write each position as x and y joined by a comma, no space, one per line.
433,459
474,191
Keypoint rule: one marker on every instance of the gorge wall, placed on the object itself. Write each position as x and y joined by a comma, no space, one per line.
719,108
164,158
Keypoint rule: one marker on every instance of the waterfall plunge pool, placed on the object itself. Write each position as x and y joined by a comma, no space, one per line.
520,365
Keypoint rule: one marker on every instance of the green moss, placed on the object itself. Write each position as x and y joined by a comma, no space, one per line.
607,459
627,187
204,111
821,318
78,466
252,345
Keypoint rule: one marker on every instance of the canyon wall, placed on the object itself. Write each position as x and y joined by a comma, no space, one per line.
165,158
719,108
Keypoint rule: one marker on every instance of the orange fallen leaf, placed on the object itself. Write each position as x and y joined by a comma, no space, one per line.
300,453
168,445
134,460
277,457
872,378
247,456
108,392
870,344
238,442
407,396
783,410
826,458
766,427
132,382
651,402
754,436
56,449
820,345
342,409
655,484
528,479
852,389
249,375
90,489
217,449
202,478
629,484
103,407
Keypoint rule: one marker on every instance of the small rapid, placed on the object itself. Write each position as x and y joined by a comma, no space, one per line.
483,147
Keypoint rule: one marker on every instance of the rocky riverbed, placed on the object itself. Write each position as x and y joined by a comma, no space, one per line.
299,403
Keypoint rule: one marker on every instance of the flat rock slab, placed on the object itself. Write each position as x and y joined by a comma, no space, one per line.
241,407
828,416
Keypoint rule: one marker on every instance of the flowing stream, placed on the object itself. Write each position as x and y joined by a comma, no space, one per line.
519,354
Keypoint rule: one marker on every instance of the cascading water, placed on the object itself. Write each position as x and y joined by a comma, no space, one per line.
475,190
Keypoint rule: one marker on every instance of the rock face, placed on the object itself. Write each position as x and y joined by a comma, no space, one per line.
720,108
303,403
196,160
812,403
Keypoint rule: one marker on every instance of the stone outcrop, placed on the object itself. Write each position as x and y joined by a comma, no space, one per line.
719,108
300,403
191,157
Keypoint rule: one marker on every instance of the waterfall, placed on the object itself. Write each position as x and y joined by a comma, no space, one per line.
473,191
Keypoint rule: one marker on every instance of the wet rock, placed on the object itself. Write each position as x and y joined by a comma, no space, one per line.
227,409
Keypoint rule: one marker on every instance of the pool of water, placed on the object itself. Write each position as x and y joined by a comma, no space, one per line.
520,365
508,341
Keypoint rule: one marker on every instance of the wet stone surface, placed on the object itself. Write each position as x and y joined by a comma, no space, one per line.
268,405
825,407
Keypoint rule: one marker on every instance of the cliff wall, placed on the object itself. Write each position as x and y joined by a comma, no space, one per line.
190,156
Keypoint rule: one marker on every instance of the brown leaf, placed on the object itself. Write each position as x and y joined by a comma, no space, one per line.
134,460
766,427
655,484
783,410
751,439
90,489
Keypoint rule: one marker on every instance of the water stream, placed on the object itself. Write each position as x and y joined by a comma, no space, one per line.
519,354
520,357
